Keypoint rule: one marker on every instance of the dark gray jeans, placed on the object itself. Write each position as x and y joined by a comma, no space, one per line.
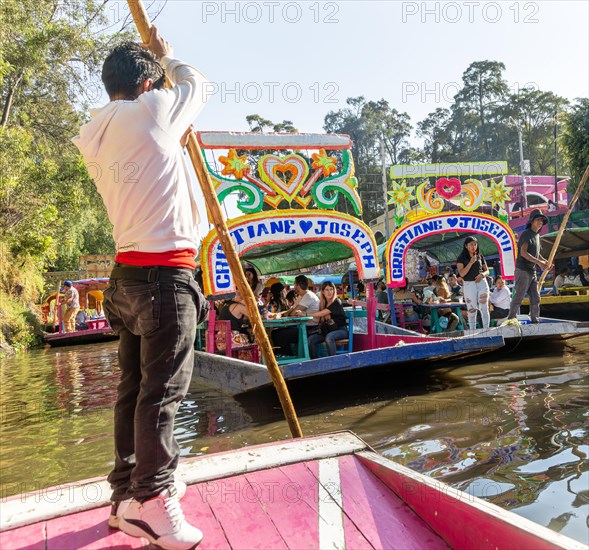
525,282
156,323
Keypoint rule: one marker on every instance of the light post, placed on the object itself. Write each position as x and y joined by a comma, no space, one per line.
524,201
387,224
555,160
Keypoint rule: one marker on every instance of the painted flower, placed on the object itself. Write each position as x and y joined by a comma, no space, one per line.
497,193
321,161
234,165
401,195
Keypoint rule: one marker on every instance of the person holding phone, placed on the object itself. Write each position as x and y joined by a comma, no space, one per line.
473,269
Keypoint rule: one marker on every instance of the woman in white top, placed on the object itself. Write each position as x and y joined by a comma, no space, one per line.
564,279
500,299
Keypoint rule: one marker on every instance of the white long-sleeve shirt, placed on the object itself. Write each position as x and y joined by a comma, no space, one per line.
133,153
501,298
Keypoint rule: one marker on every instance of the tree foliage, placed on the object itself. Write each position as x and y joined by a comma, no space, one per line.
50,56
575,145
369,123
481,123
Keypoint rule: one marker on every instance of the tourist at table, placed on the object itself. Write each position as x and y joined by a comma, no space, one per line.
290,298
408,299
565,279
253,281
277,299
526,280
500,299
306,304
445,295
473,269
456,292
332,321
381,294
235,312
457,295
581,274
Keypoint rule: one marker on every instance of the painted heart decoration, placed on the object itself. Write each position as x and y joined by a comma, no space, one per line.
448,187
452,222
305,226
285,175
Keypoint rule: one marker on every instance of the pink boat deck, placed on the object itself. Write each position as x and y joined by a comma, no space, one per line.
330,503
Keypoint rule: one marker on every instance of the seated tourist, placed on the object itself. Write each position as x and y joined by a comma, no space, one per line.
235,312
408,298
332,321
445,295
277,299
306,304
565,279
500,299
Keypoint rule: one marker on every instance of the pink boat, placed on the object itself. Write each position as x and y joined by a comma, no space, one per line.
329,491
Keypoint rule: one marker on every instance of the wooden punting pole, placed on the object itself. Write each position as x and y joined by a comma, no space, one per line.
563,225
215,216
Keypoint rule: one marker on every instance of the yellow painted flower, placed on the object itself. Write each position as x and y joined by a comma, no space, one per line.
324,162
234,165
401,195
497,193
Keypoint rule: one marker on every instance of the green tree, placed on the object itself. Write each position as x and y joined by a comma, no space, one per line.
536,111
436,134
260,124
50,56
368,123
574,140
478,105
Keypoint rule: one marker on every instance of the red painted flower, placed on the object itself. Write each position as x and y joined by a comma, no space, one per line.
448,187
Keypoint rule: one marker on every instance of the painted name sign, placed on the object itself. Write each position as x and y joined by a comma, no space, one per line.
482,224
260,229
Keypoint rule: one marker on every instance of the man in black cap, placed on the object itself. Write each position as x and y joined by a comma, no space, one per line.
528,257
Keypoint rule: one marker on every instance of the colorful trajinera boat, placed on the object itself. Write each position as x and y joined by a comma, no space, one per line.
328,491
93,328
437,219
313,174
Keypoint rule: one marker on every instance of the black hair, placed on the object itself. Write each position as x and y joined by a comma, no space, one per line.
302,281
127,67
255,280
290,296
497,278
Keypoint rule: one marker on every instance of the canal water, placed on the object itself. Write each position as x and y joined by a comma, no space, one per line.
510,428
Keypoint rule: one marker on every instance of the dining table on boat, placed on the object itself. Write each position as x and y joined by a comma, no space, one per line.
302,343
433,310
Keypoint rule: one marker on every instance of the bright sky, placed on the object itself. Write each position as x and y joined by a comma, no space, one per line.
299,60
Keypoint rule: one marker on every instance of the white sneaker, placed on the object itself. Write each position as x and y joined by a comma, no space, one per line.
161,521
117,509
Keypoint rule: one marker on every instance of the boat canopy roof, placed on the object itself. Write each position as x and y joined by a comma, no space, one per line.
447,247
279,258
574,242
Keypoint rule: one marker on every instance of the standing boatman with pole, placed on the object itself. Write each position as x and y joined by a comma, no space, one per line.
153,302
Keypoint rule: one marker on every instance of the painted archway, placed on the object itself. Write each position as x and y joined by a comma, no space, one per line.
449,222
271,228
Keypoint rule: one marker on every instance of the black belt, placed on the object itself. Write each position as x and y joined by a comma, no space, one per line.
151,274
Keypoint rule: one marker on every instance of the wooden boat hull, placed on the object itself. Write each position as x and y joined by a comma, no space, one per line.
80,337
329,491
547,331
575,308
233,376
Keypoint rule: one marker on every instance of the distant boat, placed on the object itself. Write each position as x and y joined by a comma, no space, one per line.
328,491
94,328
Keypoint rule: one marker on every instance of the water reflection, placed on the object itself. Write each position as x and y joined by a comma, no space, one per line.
511,430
